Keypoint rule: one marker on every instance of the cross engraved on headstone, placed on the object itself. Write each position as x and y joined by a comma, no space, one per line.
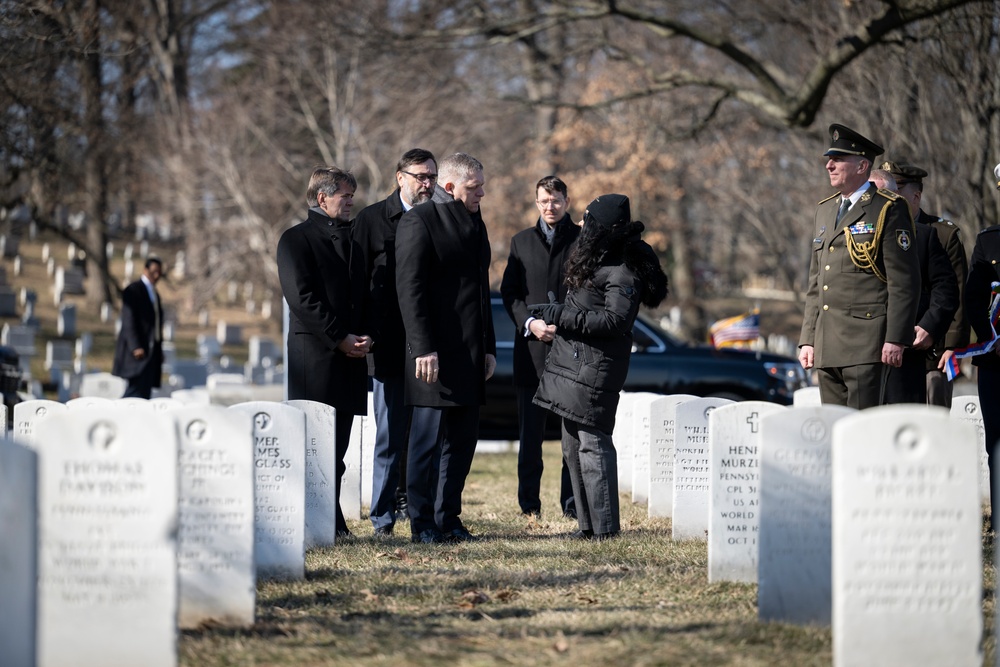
754,421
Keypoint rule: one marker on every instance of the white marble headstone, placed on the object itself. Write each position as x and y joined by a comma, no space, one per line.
279,446
321,470
907,556
734,497
691,468
640,445
107,569
966,408
663,413
806,397
351,483
89,403
216,534
793,569
18,553
366,424
622,438
102,385
27,414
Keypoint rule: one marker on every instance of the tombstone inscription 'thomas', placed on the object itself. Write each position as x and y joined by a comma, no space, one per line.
107,569
907,558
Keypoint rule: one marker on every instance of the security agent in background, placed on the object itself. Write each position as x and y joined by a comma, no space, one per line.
938,301
139,348
984,270
910,185
535,270
864,280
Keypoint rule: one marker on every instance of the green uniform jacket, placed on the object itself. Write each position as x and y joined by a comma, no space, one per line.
850,312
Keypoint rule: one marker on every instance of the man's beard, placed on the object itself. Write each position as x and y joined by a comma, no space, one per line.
421,196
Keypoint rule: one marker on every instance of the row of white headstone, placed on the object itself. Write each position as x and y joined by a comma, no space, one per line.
124,520
871,519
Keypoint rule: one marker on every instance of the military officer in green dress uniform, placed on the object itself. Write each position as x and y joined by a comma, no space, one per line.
910,182
864,279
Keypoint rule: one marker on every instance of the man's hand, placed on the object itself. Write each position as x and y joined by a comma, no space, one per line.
892,355
491,365
353,346
807,356
139,353
922,339
427,367
542,331
945,359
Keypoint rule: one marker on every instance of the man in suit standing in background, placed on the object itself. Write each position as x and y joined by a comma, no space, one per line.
139,349
322,279
534,271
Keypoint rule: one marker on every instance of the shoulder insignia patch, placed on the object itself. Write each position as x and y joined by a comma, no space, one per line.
888,194
903,239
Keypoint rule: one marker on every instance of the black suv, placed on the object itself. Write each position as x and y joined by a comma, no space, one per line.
660,364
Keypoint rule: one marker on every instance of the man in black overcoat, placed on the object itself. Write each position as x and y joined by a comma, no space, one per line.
375,233
323,282
534,272
442,279
139,348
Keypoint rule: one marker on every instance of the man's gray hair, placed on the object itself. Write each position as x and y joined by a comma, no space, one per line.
459,166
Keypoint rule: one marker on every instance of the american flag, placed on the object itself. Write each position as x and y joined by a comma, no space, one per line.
729,331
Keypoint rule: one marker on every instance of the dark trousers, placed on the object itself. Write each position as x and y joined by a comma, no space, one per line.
141,386
908,383
593,470
437,466
342,438
395,424
857,386
989,402
531,430
939,388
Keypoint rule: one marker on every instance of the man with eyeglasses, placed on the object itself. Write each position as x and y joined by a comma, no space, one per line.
910,181
443,282
534,272
323,281
395,422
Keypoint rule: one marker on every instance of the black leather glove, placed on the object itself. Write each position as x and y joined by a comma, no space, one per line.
549,312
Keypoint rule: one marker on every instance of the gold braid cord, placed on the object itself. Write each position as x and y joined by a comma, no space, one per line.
864,254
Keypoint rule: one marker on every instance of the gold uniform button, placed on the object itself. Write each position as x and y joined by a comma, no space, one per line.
826,307
826,287
827,267
868,314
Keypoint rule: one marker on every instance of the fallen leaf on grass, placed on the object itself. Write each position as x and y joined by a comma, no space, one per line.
561,645
472,598
369,596
506,595
586,600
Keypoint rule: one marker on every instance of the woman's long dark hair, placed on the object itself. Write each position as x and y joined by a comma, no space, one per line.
598,245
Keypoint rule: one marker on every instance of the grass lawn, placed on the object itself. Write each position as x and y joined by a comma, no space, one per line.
521,595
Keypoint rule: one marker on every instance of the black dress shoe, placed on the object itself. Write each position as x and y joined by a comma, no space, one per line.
342,533
383,531
600,537
570,514
460,534
401,513
533,513
582,535
429,536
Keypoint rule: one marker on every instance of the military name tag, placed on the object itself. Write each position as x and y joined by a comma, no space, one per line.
903,239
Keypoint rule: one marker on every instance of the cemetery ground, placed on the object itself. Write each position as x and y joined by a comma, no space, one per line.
523,594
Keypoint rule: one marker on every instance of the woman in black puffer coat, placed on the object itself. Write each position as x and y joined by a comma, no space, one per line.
609,273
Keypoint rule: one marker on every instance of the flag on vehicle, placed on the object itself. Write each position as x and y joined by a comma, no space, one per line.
735,331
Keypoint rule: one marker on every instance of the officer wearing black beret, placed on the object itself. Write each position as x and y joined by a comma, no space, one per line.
910,182
864,280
